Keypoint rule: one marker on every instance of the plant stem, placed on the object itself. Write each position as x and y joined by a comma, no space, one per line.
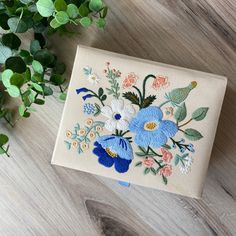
140,95
144,83
162,104
185,123
95,95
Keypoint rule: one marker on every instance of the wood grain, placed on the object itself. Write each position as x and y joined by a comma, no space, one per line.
39,199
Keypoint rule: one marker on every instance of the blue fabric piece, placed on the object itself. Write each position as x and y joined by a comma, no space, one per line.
123,183
87,96
153,138
80,90
117,145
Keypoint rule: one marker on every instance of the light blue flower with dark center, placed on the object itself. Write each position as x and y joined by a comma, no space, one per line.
114,150
150,129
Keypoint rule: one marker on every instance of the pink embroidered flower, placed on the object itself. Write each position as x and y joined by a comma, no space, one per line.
130,80
166,170
166,155
160,82
148,162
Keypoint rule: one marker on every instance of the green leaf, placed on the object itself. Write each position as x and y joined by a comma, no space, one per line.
59,68
100,92
34,46
104,12
147,170
3,21
200,113
95,5
45,7
153,171
72,11
165,181
85,21
13,91
21,110
57,79
24,53
37,78
177,159
11,40
101,23
104,97
17,80
16,64
54,24
44,56
60,5
63,96
148,101
83,10
47,91
139,163
26,1
39,101
37,87
17,25
192,134
5,53
166,146
3,139
62,17
6,76
181,112
131,96
37,67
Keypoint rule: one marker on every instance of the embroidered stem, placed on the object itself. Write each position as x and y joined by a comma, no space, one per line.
162,104
185,123
96,95
140,95
144,83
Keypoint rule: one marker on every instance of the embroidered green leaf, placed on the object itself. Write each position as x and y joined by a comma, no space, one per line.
177,159
148,101
200,113
181,112
192,134
140,154
147,170
138,164
164,179
100,92
98,110
131,96
166,146
153,171
68,145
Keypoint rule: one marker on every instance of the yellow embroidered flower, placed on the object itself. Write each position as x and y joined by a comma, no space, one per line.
75,143
92,135
81,132
99,128
84,146
68,134
89,122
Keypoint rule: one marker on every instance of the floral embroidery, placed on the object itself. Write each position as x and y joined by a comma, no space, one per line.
118,115
155,129
114,150
91,77
160,82
130,80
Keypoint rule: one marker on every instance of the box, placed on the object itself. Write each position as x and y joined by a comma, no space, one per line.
139,121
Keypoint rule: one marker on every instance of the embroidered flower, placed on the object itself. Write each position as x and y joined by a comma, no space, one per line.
130,80
81,132
68,134
118,115
186,168
92,135
89,108
148,162
84,146
168,112
166,170
75,143
91,77
114,150
160,82
150,129
166,155
89,122
99,128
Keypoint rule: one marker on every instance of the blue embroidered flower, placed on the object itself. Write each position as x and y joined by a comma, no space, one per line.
150,129
88,108
114,150
81,90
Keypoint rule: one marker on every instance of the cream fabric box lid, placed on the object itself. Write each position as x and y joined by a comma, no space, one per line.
139,121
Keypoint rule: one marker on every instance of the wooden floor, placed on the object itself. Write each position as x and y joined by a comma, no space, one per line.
39,199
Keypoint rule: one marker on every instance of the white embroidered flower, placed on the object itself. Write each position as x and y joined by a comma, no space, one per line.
187,165
91,77
118,115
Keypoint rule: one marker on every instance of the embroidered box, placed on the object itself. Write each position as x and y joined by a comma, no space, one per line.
139,121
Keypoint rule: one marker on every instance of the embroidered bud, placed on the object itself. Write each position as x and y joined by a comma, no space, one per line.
81,90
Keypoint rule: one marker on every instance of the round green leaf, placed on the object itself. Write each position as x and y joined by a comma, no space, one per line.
57,79
3,21
13,91
85,21
5,53
39,101
62,17
101,23
37,87
37,78
181,113
200,113
3,139
6,76
21,110
45,7
59,68
11,40
95,5
37,67
44,56
83,10
17,80
72,11
104,12
17,25
47,91
34,46
60,5
63,96
16,64
24,53
54,24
